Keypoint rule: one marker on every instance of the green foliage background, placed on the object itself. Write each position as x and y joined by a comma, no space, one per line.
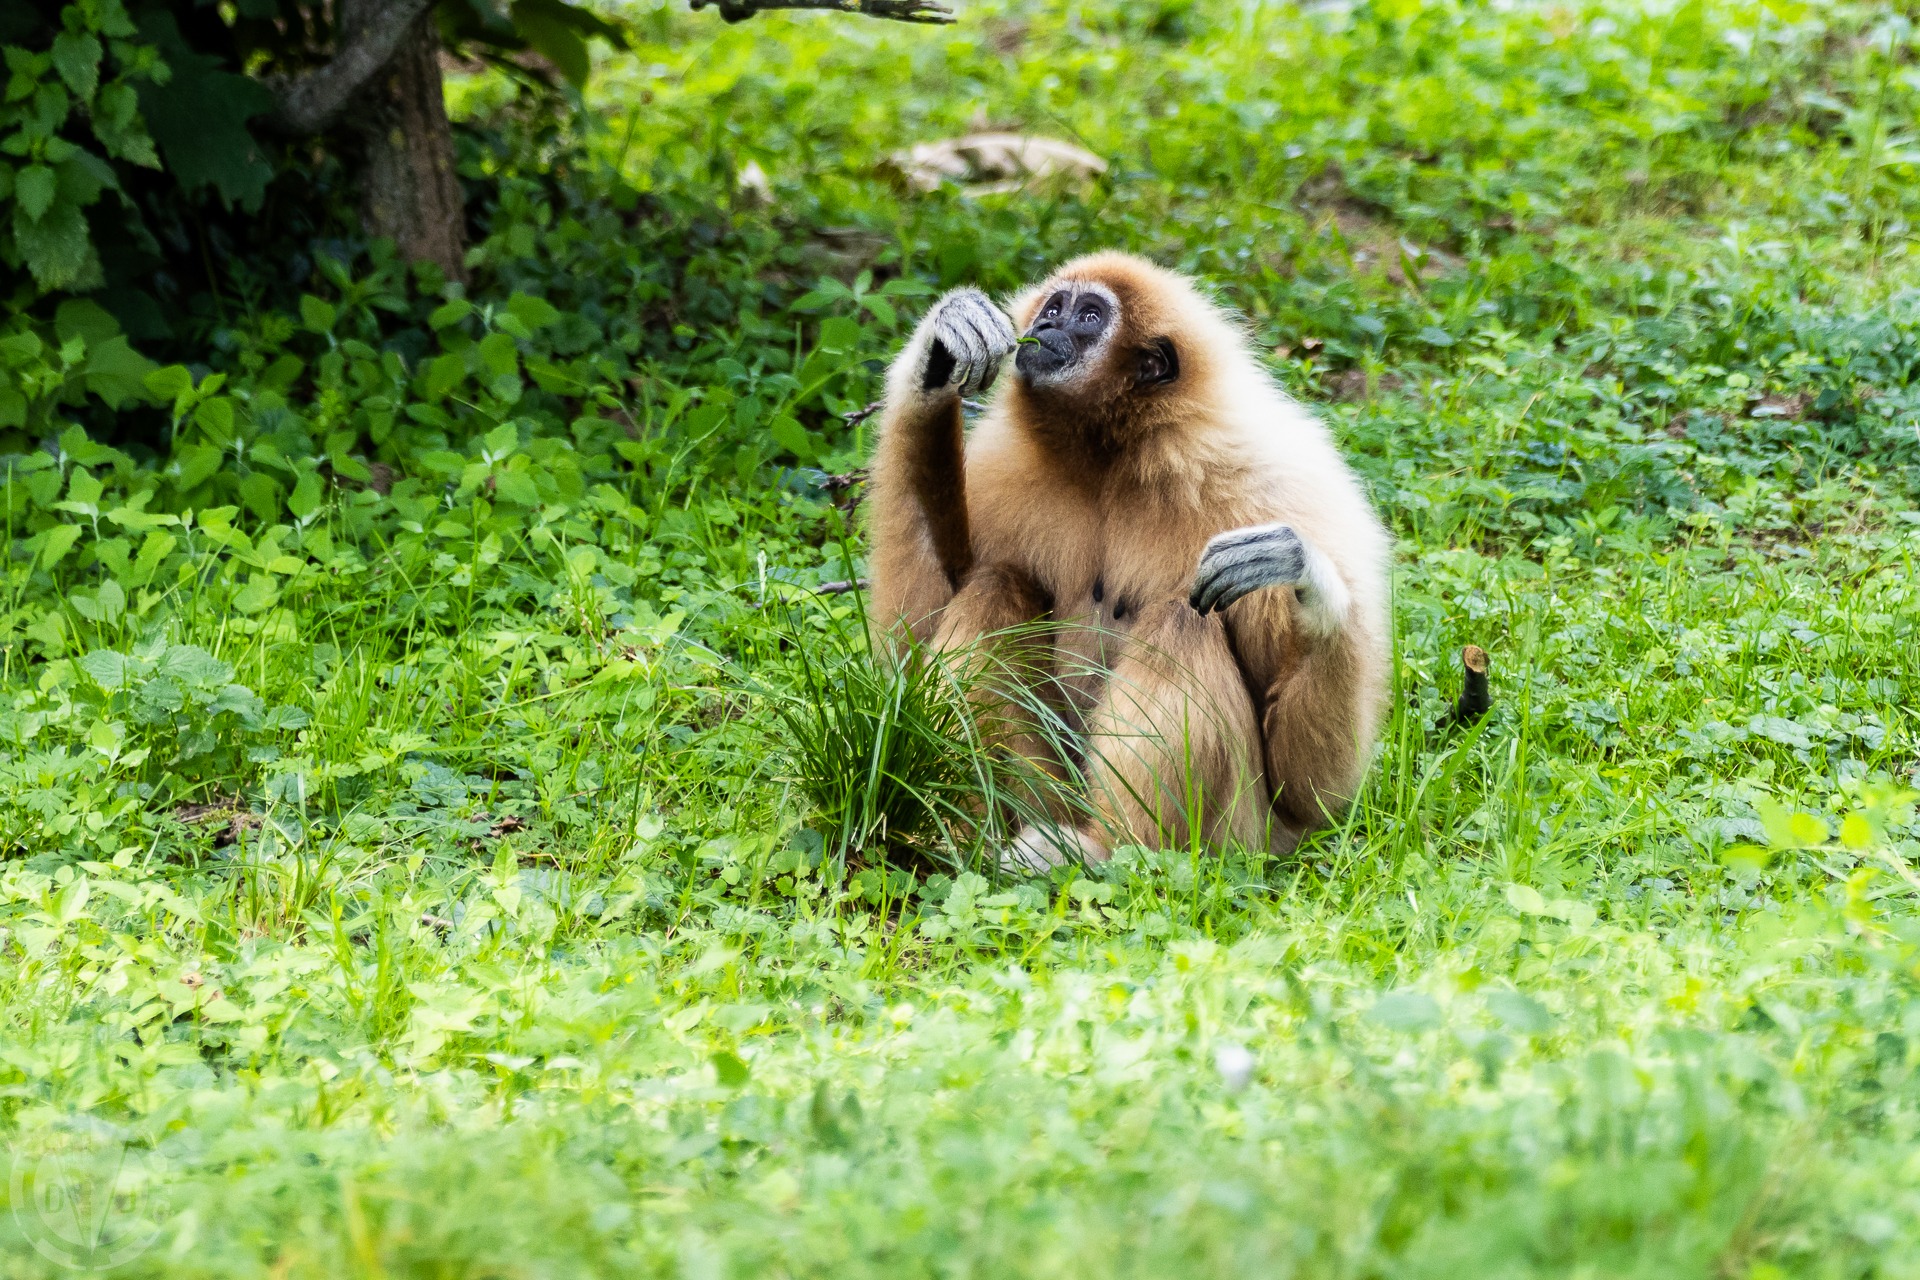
408,869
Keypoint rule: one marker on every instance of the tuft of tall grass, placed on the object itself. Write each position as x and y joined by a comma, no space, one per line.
898,753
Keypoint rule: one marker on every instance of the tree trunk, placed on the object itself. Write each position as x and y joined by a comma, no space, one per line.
409,191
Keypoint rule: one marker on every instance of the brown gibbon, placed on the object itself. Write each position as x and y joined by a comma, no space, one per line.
1201,572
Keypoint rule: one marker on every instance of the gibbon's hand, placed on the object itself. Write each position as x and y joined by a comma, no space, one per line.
1241,561
966,339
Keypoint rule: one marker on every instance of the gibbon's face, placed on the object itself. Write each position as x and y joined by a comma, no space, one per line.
1074,338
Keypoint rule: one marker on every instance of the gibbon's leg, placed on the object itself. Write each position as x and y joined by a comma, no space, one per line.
922,542
1171,747
1314,724
1304,661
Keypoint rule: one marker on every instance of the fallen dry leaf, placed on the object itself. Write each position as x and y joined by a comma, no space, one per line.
988,163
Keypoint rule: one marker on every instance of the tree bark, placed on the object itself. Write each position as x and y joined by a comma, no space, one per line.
410,193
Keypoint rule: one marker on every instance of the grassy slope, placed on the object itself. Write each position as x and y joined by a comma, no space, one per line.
527,969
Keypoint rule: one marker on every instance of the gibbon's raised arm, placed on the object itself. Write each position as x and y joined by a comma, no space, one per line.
924,545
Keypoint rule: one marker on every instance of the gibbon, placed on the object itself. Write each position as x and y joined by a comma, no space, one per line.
1202,575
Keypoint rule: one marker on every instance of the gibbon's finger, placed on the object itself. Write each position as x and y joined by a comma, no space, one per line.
1001,335
968,348
1230,586
1228,583
968,321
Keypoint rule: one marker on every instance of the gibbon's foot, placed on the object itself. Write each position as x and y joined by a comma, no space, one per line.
968,337
1044,845
1241,561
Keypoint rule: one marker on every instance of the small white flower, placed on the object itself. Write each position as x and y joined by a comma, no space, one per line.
1235,1064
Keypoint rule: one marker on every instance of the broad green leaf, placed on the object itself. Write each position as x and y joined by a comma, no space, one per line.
306,496
1856,832
108,669
450,313
215,417
257,595
317,315
535,313
791,436
261,493
199,117
158,546
33,190
1519,1013
1808,831
839,334
444,373
1406,1011
84,488
499,356
729,1069
17,349
71,902
117,373
1777,821
502,440
57,248
192,464
1526,900
517,487
171,382
76,55
544,25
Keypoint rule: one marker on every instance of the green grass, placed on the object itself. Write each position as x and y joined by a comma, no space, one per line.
536,926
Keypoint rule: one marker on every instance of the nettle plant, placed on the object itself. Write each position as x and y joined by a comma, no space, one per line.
83,89
100,737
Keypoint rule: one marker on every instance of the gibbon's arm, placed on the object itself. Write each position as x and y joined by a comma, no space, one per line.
923,547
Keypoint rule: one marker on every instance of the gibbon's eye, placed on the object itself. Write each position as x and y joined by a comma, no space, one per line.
1089,316
1159,363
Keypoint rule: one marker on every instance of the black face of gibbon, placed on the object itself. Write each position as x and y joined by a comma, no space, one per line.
1073,323
1065,328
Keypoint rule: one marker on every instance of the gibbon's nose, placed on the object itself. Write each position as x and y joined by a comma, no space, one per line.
1050,352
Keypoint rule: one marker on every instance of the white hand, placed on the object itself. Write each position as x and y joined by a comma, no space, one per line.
963,340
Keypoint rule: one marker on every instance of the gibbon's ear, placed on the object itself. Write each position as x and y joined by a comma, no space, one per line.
1159,363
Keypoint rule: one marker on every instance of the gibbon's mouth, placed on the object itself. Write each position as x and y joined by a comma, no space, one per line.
1046,355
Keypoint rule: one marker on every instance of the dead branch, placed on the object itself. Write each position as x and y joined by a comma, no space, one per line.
897,10
310,103
1475,697
841,588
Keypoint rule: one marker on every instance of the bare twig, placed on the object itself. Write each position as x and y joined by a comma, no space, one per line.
1474,695
308,104
898,10
845,480
841,588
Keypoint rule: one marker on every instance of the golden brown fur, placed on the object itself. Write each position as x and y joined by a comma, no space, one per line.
1088,507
